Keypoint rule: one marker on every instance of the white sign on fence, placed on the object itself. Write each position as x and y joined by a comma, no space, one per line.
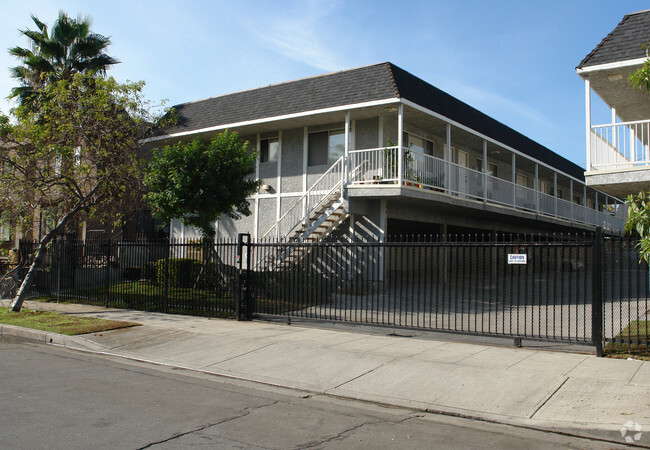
517,258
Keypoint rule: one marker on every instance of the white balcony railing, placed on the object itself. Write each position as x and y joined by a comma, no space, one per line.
379,166
619,145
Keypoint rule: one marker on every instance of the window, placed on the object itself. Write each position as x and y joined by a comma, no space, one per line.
418,146
491,168
544,188
462,158
325,147
521,180
269,150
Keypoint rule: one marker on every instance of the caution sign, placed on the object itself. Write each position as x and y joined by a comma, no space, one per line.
517,258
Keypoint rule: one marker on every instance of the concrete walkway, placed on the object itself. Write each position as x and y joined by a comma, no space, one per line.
561,391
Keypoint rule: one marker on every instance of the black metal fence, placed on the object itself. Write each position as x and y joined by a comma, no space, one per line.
625,285
578,288
188,277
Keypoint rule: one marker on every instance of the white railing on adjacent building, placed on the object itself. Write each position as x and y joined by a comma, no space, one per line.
620,145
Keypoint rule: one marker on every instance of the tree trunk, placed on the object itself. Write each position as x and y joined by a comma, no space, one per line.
29,278
31,273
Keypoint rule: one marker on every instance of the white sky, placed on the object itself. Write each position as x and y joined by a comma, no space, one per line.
513,60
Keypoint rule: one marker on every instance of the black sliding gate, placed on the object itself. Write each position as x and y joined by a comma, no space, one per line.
542,289
584,289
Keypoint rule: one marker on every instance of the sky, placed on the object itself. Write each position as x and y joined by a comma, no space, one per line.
513,60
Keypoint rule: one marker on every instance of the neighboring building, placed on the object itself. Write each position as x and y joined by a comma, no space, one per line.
618,157
375,151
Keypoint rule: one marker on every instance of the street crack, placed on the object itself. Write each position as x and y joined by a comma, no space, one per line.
242,413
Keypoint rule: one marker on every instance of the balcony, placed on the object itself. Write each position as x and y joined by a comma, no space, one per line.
619,157
621,145
382,166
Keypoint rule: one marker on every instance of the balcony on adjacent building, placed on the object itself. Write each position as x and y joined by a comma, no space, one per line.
617,151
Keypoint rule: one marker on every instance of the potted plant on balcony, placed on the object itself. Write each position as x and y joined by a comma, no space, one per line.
391,164
438,182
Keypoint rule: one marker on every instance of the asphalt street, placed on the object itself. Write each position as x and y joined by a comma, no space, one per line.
53,397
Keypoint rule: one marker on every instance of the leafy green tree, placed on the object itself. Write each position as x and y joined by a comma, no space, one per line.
69,47
638,221
640,78
197,182
76,156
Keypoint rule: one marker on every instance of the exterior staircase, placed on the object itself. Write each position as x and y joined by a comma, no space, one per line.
311,219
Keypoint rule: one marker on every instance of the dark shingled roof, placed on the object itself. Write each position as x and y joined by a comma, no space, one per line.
376,82
334,89
623,43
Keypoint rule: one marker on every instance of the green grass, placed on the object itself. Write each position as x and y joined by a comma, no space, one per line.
59,323
631,342
149,296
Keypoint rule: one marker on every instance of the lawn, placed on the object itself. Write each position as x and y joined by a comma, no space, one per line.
632,341
59,323
149,296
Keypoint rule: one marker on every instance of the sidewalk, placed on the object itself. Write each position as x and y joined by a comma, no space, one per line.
565,392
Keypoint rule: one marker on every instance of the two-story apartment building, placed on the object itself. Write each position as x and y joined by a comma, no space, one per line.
618,157
375,151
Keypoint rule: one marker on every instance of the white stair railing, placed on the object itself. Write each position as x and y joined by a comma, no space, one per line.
319,193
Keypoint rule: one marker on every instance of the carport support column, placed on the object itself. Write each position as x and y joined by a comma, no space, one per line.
383,229
400,145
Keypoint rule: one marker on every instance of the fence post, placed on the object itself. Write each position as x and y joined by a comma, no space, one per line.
58,248
597,292
106,246
249,297
170,249
241,287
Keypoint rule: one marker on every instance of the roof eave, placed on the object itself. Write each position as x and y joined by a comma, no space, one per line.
583,71
273,119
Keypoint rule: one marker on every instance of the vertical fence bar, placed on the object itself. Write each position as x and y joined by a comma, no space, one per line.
170,250
597,293
104,246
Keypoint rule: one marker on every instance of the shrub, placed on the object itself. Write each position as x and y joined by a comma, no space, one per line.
131,273
184,272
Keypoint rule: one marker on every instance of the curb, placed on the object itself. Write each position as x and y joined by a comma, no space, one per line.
46,337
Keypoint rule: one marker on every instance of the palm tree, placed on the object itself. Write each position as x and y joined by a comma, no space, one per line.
70,47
